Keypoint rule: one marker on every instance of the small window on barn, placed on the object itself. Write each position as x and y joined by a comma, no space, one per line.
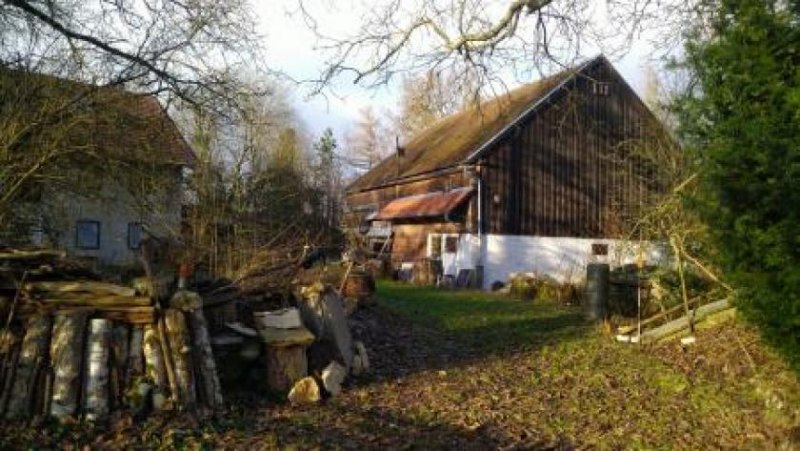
451,244
134,235
435,246
601,88
599,249
87,234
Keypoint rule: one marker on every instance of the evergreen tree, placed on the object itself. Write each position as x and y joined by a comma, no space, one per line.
743,122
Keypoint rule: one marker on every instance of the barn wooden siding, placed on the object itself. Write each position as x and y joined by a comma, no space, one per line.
573,169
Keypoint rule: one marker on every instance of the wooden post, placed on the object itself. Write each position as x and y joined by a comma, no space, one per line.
181,351
208,380
98,351
32,356
66,355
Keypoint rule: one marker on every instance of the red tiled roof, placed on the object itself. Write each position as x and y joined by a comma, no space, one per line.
424,205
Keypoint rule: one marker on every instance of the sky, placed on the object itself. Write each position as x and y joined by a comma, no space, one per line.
290,49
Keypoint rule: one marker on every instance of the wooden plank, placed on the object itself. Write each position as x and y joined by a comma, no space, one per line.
80,286
682,323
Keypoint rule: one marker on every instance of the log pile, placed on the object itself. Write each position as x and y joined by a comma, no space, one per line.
72,345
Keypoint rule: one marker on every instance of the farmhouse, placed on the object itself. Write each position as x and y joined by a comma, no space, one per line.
544,179
120,160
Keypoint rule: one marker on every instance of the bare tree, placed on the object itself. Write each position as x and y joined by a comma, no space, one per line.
486,39
186,49
430,97
368,142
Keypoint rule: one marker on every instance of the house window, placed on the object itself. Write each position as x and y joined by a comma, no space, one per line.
134,235
87,234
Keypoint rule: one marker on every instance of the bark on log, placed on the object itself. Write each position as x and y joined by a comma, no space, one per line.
207,378
98,352
32,358
181,350
66,355
154,360
135,357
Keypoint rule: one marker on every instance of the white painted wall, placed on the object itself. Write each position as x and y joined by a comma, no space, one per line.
565,259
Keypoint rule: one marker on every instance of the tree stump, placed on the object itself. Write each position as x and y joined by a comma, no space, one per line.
66,355
30,364
98,354
286,356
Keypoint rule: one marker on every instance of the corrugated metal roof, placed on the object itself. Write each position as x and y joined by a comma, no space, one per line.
424,205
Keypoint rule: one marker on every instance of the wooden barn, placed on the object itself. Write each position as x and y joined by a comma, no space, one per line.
542,179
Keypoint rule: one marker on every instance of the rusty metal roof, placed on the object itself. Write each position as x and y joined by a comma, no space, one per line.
424,205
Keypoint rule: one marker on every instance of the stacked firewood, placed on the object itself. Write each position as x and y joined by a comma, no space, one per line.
74,346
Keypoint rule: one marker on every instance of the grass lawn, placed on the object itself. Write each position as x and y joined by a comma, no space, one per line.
484,321
541,376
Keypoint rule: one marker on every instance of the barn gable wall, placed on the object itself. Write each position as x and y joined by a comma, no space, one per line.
572,169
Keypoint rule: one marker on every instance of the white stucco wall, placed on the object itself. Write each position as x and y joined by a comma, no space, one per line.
565,259
114,209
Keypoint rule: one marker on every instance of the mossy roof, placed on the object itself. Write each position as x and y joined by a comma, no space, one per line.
451,140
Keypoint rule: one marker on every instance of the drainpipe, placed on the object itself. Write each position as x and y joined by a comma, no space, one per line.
474,171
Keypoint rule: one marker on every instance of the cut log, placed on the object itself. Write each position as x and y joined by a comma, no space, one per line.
332,377
33,354
81,287
10,347
135,357
66,355
38,255
682,323
181,350
70,299
305,391
154,360
98,353
207,378
285,366
120,340
169,365
323,313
